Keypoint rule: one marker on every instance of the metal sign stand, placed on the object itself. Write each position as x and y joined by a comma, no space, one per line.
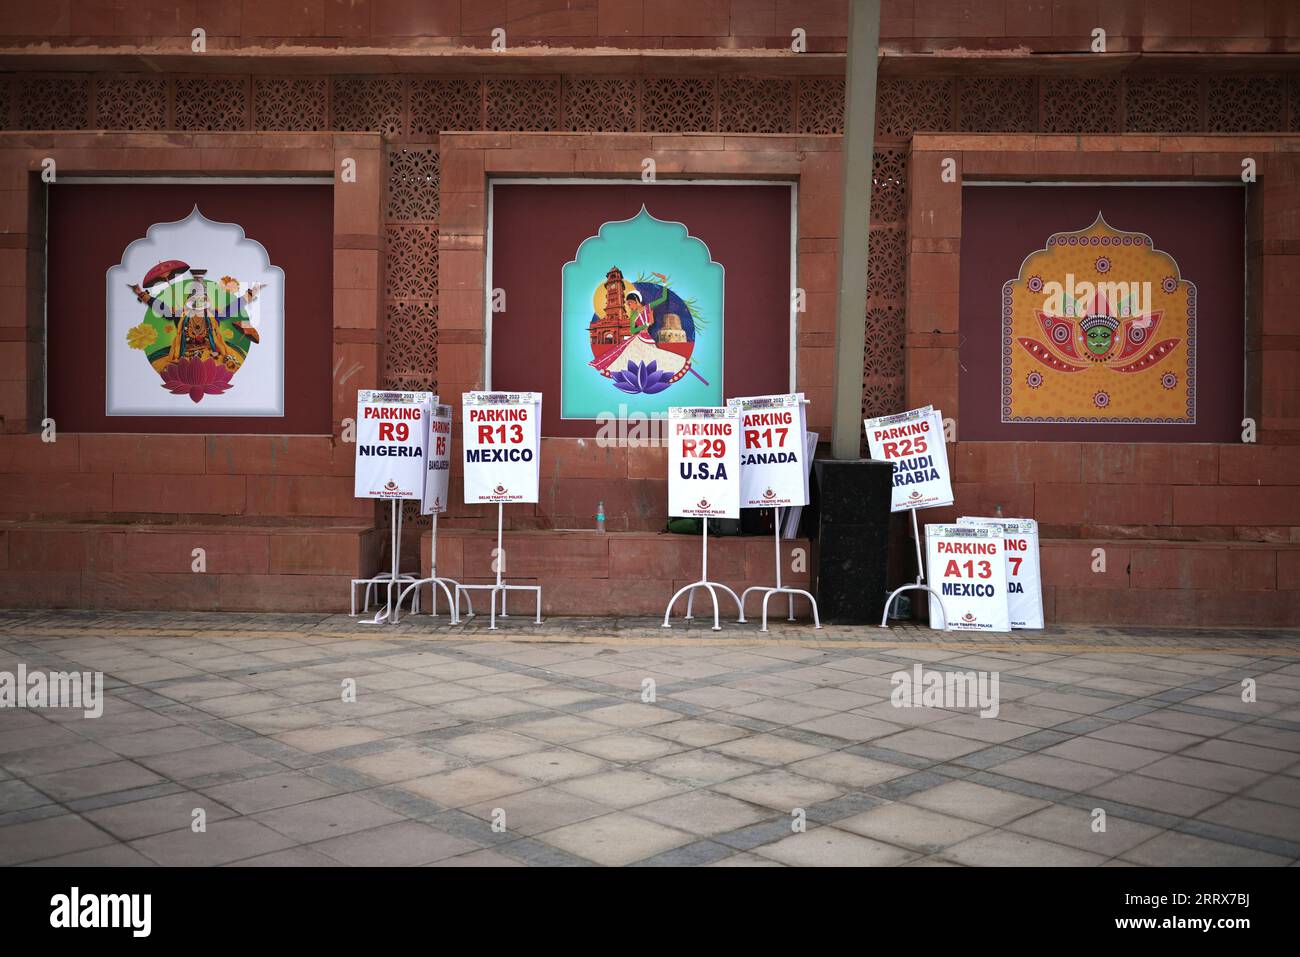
500,586
768,591
919,585
389,579
450,587
704,582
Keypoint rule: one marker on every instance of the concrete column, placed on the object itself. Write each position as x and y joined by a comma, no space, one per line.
859,141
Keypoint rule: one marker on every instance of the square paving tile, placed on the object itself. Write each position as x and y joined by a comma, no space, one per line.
1075,827
623,788
95,780
615,839
1064,773
904,825
1258,817
976,802
49,837
156,815
848,770
1172,849
929,743
1166,796
769,749
1105,754
551,766
831,847
1204,774
466,786
701,768
404,763
628,747
696,732
404,844
221,843
780,789
491,745
270,791
1005,848
326,817
541,809
703,812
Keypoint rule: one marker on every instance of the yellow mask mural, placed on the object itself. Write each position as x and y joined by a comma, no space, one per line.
1099,327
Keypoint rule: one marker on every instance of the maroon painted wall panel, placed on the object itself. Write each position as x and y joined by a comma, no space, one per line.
90,225
1203,228
536,229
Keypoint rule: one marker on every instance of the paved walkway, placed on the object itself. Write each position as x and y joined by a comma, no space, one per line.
533,745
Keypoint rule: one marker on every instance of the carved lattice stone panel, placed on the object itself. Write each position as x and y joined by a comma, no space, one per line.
1242,104
284,103
904,107
678,104
997,104
411,517
129,101
1162,104
445,104
748,104
600,104
885,334
889,186
367,105
886,266
1295,103
53,102
411,262
1084,104
881,398
412,184
211,103
821,104
523,103
411,340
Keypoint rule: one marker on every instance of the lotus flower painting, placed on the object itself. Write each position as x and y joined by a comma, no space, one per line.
642,321
195,324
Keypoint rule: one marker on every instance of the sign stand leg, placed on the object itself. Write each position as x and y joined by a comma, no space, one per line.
499,585
434,582
919,585
501,512
388,580
780,589
711,587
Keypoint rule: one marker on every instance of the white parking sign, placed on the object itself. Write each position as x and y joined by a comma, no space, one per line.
913,443
1024,581
392,433
968,567
438,474
773,465
500,435
704,462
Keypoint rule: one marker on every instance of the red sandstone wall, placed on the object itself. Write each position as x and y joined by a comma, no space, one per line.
1236,504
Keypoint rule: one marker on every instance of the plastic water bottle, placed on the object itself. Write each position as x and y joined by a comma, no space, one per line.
600,516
